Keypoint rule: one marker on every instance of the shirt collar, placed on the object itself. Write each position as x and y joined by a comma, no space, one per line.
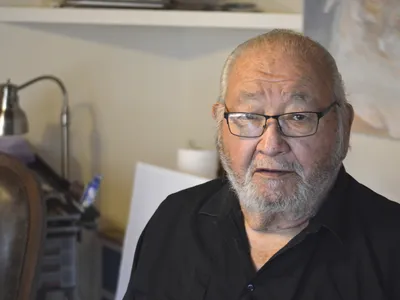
221,202
329,215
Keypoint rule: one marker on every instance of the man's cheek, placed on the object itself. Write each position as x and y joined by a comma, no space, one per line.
303,151
243,158
309,150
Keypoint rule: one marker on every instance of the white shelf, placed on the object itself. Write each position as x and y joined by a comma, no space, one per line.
200,19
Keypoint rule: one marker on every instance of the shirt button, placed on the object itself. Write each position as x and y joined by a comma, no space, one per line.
250,287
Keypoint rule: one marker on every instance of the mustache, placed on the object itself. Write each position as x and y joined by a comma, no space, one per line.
275,164
258,163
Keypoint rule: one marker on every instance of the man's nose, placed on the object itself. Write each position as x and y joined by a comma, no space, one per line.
272,142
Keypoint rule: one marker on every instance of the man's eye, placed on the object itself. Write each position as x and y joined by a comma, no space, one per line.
299,117
250,117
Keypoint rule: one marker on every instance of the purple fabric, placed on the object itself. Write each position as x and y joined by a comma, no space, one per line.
18,147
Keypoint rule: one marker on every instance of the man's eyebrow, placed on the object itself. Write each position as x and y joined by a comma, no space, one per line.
300,97
245,96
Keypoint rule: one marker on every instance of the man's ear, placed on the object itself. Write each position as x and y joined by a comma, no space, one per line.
350,110
349,121
215,109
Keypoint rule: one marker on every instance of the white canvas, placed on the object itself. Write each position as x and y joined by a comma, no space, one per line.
152,185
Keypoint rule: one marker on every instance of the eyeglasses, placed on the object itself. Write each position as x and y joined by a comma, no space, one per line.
294,124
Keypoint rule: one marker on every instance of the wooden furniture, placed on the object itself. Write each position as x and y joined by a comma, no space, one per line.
22,230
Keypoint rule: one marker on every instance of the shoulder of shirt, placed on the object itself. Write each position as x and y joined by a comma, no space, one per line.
187,201
371,202
193,196
379,215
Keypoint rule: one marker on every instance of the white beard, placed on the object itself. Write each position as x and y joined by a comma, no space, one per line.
269,201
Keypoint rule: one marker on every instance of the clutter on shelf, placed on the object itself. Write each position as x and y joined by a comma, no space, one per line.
208,5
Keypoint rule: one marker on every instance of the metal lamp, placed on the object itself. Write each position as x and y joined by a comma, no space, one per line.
13,119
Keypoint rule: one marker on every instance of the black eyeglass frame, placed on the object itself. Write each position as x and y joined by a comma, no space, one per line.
319,114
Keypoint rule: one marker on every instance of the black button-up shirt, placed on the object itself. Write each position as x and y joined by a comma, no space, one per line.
195,248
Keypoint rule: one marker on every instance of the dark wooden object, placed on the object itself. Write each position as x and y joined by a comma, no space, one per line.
22,230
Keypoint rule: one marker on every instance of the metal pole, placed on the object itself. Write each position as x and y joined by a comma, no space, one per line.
64,121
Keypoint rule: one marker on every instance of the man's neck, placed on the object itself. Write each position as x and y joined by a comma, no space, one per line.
265,242
277,224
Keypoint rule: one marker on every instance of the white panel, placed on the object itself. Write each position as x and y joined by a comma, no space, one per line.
151,186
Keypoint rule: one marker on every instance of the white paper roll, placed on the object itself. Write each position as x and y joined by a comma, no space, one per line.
203,163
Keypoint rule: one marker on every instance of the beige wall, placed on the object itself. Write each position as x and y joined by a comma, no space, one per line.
139,94
135,94
375,162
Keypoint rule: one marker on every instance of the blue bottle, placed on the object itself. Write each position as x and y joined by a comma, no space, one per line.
89,196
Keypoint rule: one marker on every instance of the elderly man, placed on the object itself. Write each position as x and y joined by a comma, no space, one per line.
288,222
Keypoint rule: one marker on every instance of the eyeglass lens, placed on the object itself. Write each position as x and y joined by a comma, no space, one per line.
292,124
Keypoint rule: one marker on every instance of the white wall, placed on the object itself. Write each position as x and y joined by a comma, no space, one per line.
139,94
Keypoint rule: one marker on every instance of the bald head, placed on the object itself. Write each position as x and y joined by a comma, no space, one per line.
300,52
293,45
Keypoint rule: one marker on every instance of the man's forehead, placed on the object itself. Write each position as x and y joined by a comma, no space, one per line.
297,95
272,65
255,73
261,86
